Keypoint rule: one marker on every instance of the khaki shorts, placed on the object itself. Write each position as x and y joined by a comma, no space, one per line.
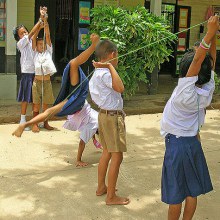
48,97
112,133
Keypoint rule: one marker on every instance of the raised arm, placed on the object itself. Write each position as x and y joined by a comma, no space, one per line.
34,38
47,33
212,51
213,25
38,24
82,58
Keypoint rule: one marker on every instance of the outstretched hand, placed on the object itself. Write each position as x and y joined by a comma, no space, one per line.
95,39
43,13
213,25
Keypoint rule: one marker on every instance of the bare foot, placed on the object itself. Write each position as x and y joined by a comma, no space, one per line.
18,132
116,200
101,191
81,164
48,127
35,128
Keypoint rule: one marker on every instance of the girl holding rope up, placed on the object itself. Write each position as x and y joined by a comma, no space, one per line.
44,69
24,45
185,173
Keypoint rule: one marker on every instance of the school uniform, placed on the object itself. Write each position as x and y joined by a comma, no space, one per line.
24,45
43,66
85,121
185,172
75,95
111,116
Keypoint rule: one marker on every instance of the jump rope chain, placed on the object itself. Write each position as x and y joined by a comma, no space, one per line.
42,71
133,51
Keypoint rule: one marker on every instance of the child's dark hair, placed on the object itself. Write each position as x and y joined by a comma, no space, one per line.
104,48
15,31
39,39
205,72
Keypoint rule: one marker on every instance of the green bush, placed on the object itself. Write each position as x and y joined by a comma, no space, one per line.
217,84
130,30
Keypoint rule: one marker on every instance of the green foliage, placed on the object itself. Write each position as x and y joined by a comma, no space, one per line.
131,30
217,83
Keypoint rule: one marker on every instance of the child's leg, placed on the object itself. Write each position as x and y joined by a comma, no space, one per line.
174,211
102,169
81,148
190,208
46,125
50,112
111,198
23,108
36,109
23,114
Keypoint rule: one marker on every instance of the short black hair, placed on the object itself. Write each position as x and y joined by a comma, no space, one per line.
39,39
204,75
104,48
15,31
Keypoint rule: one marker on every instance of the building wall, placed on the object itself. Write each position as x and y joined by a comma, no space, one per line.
26,13
198,12
130,3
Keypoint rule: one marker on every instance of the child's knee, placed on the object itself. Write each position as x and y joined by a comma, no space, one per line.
36,108
117,157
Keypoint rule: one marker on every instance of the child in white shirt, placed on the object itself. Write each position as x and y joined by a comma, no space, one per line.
185,172
24,45
44,69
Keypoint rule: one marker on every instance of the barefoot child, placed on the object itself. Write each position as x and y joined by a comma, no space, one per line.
24,45
44,69
105,88
75,106
185,173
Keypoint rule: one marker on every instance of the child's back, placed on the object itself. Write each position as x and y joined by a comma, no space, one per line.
185,173
101,90
184,112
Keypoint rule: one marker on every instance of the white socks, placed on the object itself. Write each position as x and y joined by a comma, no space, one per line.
23,119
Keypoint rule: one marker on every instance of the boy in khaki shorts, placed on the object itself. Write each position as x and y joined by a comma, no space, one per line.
44,69
105,88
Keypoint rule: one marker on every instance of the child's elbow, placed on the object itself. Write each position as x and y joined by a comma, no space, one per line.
119,89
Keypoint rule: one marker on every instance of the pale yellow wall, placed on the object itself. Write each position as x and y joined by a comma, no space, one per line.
130,3
198,12
2,43
26,11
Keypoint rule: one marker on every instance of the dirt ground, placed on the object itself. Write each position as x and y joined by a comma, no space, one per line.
39,181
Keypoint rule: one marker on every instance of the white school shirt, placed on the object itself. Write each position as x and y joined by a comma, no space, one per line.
184,113
102,93
85,121
24,45
43,62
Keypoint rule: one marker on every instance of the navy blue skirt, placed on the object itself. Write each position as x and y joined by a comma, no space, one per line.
185,172
25,89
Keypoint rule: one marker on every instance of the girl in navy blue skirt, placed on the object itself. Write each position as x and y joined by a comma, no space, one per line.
185,173
24,45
